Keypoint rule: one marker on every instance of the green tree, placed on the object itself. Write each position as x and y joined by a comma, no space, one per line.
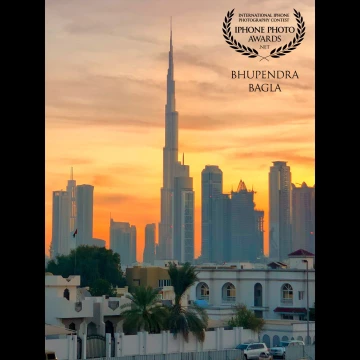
145,312
243,317
191,318
91,263
102,287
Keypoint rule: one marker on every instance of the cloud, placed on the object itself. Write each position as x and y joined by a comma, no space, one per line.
71,161
290,156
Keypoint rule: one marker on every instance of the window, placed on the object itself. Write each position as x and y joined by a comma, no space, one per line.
287,294
287,317
258,294
301,295
67,294
166,282
228,293
202,291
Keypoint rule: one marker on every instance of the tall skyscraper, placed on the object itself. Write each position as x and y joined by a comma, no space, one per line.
303,218
149,249
280,210
244,235
61,238
84,214
211,188
121,240
171,166
71,189
183,211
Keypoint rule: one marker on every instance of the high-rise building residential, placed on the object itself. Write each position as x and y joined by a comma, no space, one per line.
183,230
221,239
84,214
171,166
149,249
61,238
280,210
121,240
71,189
303,217
245,244
211,188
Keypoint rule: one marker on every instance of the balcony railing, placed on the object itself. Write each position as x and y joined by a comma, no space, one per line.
287,301
203,297
229,299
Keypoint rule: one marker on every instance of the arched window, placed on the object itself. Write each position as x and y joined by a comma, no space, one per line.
72,326
67,294
202,291
287,294
258,294
300,338
266,340
284,338
91,329
109,328
276,341
228,293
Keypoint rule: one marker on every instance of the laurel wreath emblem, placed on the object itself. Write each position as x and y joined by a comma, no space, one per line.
275,53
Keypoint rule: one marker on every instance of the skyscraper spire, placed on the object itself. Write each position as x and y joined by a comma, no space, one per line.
71,174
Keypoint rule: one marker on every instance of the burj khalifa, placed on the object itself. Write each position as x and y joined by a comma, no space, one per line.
171,166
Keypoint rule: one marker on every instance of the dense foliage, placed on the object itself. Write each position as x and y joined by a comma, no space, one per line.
145,312
243,317
91,263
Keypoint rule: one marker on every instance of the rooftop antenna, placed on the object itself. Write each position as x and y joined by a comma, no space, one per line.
183,159
71,174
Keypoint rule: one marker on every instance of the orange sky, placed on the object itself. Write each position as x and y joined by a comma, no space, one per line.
106,65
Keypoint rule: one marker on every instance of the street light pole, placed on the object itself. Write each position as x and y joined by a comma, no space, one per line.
307,303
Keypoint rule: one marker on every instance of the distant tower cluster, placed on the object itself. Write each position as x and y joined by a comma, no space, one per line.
72,218
232,229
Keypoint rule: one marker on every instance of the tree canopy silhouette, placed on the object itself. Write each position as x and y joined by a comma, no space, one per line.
91,263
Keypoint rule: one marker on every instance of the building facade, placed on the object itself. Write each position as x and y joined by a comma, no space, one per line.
280,210
84,214
303,217
245,235
123,241
149,249
61,238
221,221
183,212
272,292
211,189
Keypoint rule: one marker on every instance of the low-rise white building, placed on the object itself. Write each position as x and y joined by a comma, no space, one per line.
71,307
277,291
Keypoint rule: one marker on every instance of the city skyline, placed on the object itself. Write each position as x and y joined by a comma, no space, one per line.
105,108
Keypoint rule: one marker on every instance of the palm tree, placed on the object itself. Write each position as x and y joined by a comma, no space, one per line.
191,318
145,311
